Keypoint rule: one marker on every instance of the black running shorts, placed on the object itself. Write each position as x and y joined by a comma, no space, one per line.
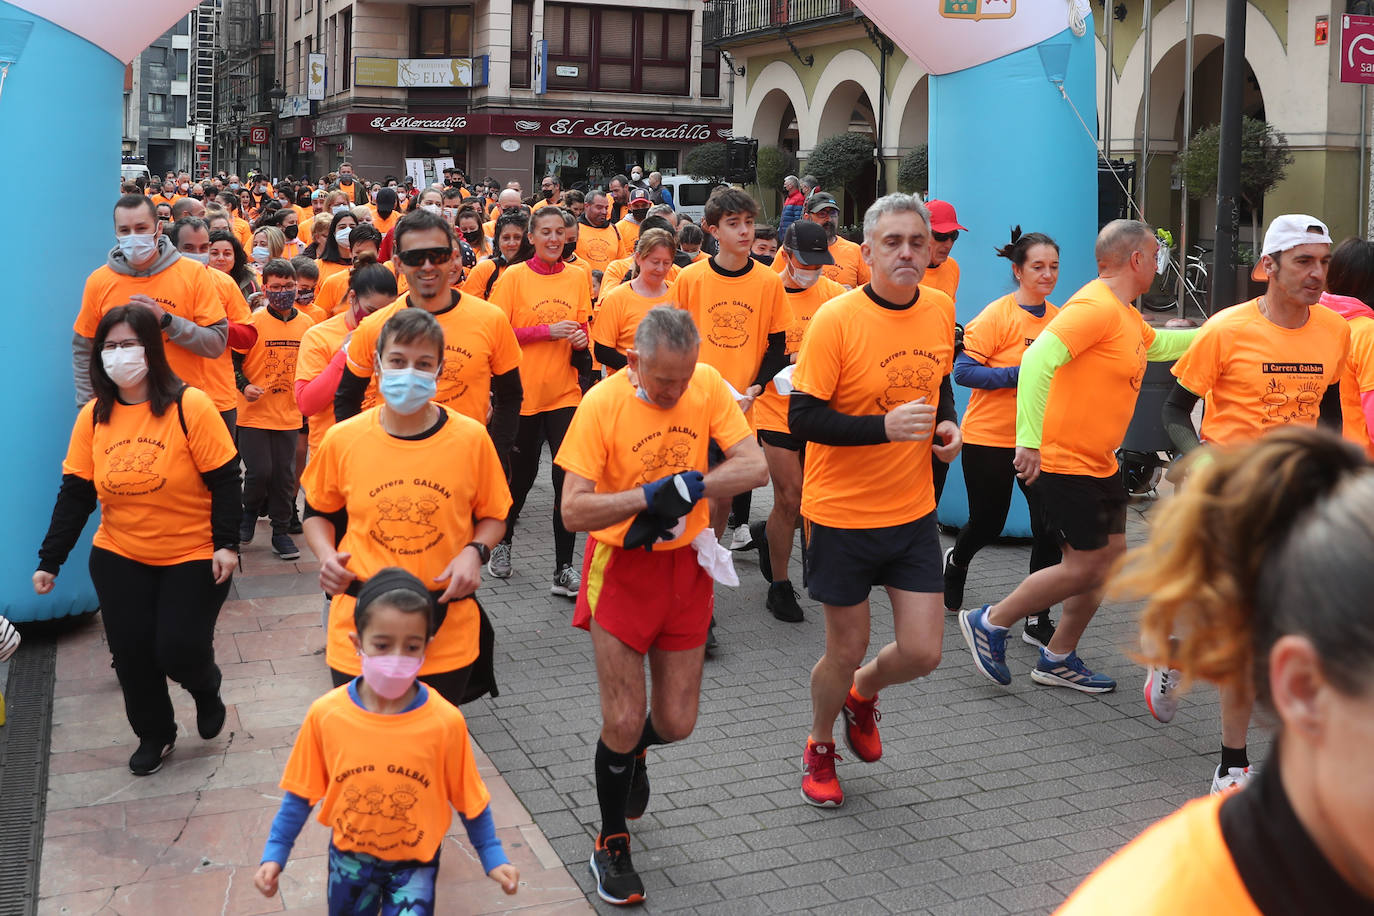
1082,511
781,440
844,564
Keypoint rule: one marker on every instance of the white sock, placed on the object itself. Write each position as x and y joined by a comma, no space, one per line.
1054,657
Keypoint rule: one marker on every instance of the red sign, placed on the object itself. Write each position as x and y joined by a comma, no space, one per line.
307,144
257,135
537,125
1357,49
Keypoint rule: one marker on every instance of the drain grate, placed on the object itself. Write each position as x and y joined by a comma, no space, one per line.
24,741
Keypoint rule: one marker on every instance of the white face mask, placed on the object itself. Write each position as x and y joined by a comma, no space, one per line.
126,366
432,208
341,208
201,256
343,235
804,278
137,248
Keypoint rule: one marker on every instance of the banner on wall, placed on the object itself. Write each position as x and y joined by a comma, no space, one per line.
415,72
950,35
314,78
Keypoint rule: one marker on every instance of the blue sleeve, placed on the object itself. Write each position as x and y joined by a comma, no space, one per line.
668,199
286,826
972,374
482,835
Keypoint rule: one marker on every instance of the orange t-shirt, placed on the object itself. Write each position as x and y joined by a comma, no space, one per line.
616,272
770,408
599,247
622,442
218,382
387,781
998,338
529,299
412,503
734,316
1179,865
384,225
318,347
475,284
329,269
849,268
271,365
945,278
619,313
183,288
303,217
331,292
478,344
629,234
243,231
154,507
1358,379
1255,376
865,359
1092,397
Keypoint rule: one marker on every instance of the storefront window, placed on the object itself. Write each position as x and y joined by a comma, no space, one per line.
617,49
591,166
443,31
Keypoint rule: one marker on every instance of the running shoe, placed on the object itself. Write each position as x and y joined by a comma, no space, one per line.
758,537
210,714
616,879
284,547
742,538
1071,673
1235,779
989,646
568,581
954,582
248,526
782,602
1038,631
861,728
499,563
147,760
1161,693
638,799
820,786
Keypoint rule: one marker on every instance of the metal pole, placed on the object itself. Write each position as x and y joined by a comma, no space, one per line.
1228,165
1364,173
1107,88
1187,137
882,114
1144,171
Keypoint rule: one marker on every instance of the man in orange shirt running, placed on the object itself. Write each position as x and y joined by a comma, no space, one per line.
1075,396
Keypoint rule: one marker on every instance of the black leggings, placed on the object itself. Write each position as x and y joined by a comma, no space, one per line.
269,472
530,435
988,475
160,623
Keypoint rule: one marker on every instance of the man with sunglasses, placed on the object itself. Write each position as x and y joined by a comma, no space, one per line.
849,269
943,272
481,355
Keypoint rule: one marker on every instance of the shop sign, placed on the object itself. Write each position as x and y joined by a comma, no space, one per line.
293,106
1357,49
408,124
412,72
331,126
307,144
610,129
257,135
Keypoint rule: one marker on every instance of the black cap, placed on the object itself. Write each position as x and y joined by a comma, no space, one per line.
821,201
807,244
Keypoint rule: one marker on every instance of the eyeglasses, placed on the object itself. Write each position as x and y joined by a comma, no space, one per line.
945,236
416,257
122,344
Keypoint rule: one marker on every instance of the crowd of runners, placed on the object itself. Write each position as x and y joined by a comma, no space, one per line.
378,368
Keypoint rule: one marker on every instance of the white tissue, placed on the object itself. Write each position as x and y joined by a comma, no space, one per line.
715,559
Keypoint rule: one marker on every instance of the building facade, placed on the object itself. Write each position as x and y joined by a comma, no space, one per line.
157,101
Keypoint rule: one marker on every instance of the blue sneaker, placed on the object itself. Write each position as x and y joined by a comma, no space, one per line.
989,646
1072,673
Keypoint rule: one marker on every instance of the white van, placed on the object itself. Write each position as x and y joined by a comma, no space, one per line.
132,171
689,194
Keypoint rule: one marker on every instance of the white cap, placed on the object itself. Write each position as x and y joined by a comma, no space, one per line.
1294,229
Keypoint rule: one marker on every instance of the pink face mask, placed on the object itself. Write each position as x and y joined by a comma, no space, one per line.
390,676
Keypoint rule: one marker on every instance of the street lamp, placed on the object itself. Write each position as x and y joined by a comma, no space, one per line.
238,108
275,96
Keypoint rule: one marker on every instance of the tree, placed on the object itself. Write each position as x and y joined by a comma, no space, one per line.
838,161
1264,161
706,162
775,164
913,172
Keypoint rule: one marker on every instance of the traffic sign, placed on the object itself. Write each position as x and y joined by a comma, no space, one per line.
1357,49
257,135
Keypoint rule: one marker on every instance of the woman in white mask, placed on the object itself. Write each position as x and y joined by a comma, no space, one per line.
416,485
157,458
268,242
337,254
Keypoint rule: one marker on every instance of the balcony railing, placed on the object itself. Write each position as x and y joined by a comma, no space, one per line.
727,20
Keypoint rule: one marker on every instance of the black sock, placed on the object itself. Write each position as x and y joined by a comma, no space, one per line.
647,738
1233,758
612,787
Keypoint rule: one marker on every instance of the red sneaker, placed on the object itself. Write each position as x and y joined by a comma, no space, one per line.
820,785
861,727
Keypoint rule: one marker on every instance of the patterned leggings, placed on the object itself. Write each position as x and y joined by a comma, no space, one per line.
362,885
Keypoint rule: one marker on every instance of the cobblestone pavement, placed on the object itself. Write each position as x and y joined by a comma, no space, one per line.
987,799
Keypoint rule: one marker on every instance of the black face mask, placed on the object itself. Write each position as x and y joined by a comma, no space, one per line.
762,258
290,232
569,249
682,259
548,193
474,237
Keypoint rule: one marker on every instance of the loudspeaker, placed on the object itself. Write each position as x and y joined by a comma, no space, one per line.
741,160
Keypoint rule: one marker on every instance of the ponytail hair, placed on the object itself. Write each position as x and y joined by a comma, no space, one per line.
371,277
1266,540
1018,250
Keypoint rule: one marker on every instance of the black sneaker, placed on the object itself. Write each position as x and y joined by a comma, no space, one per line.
295,527
1038,631
210,714
616,879
147,760
284,547
638,799
954,582
782,602
759,532
247,527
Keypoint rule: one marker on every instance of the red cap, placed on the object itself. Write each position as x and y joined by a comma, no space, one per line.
942,217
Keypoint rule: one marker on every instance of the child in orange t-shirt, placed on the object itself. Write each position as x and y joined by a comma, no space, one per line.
387,756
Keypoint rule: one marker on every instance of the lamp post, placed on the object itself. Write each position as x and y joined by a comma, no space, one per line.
239,108
275,96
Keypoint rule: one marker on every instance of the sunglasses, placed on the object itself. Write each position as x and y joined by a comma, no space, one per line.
945,236
416,257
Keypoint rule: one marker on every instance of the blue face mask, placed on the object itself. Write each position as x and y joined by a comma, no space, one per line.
261,254
407,390
201,256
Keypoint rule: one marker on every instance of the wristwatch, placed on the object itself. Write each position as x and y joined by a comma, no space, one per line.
165,320
483,551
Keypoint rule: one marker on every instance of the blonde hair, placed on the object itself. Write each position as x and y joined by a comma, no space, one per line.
276,240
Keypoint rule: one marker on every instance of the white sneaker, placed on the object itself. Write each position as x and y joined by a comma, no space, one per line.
567,582
1234,780
742,538
1161,692
499,564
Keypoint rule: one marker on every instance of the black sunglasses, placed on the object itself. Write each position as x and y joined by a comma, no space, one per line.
416,257
945,236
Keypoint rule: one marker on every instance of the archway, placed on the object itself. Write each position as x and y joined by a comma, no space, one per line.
775,122
847,109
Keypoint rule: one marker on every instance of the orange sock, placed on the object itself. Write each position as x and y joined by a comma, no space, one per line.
858,697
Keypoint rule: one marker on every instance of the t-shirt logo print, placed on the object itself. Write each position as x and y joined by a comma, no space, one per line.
379,820
727,327
674,454
905,383
280,371
403,524
451,374
130,470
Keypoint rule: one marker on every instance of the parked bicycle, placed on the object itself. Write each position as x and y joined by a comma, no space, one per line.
1193,279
